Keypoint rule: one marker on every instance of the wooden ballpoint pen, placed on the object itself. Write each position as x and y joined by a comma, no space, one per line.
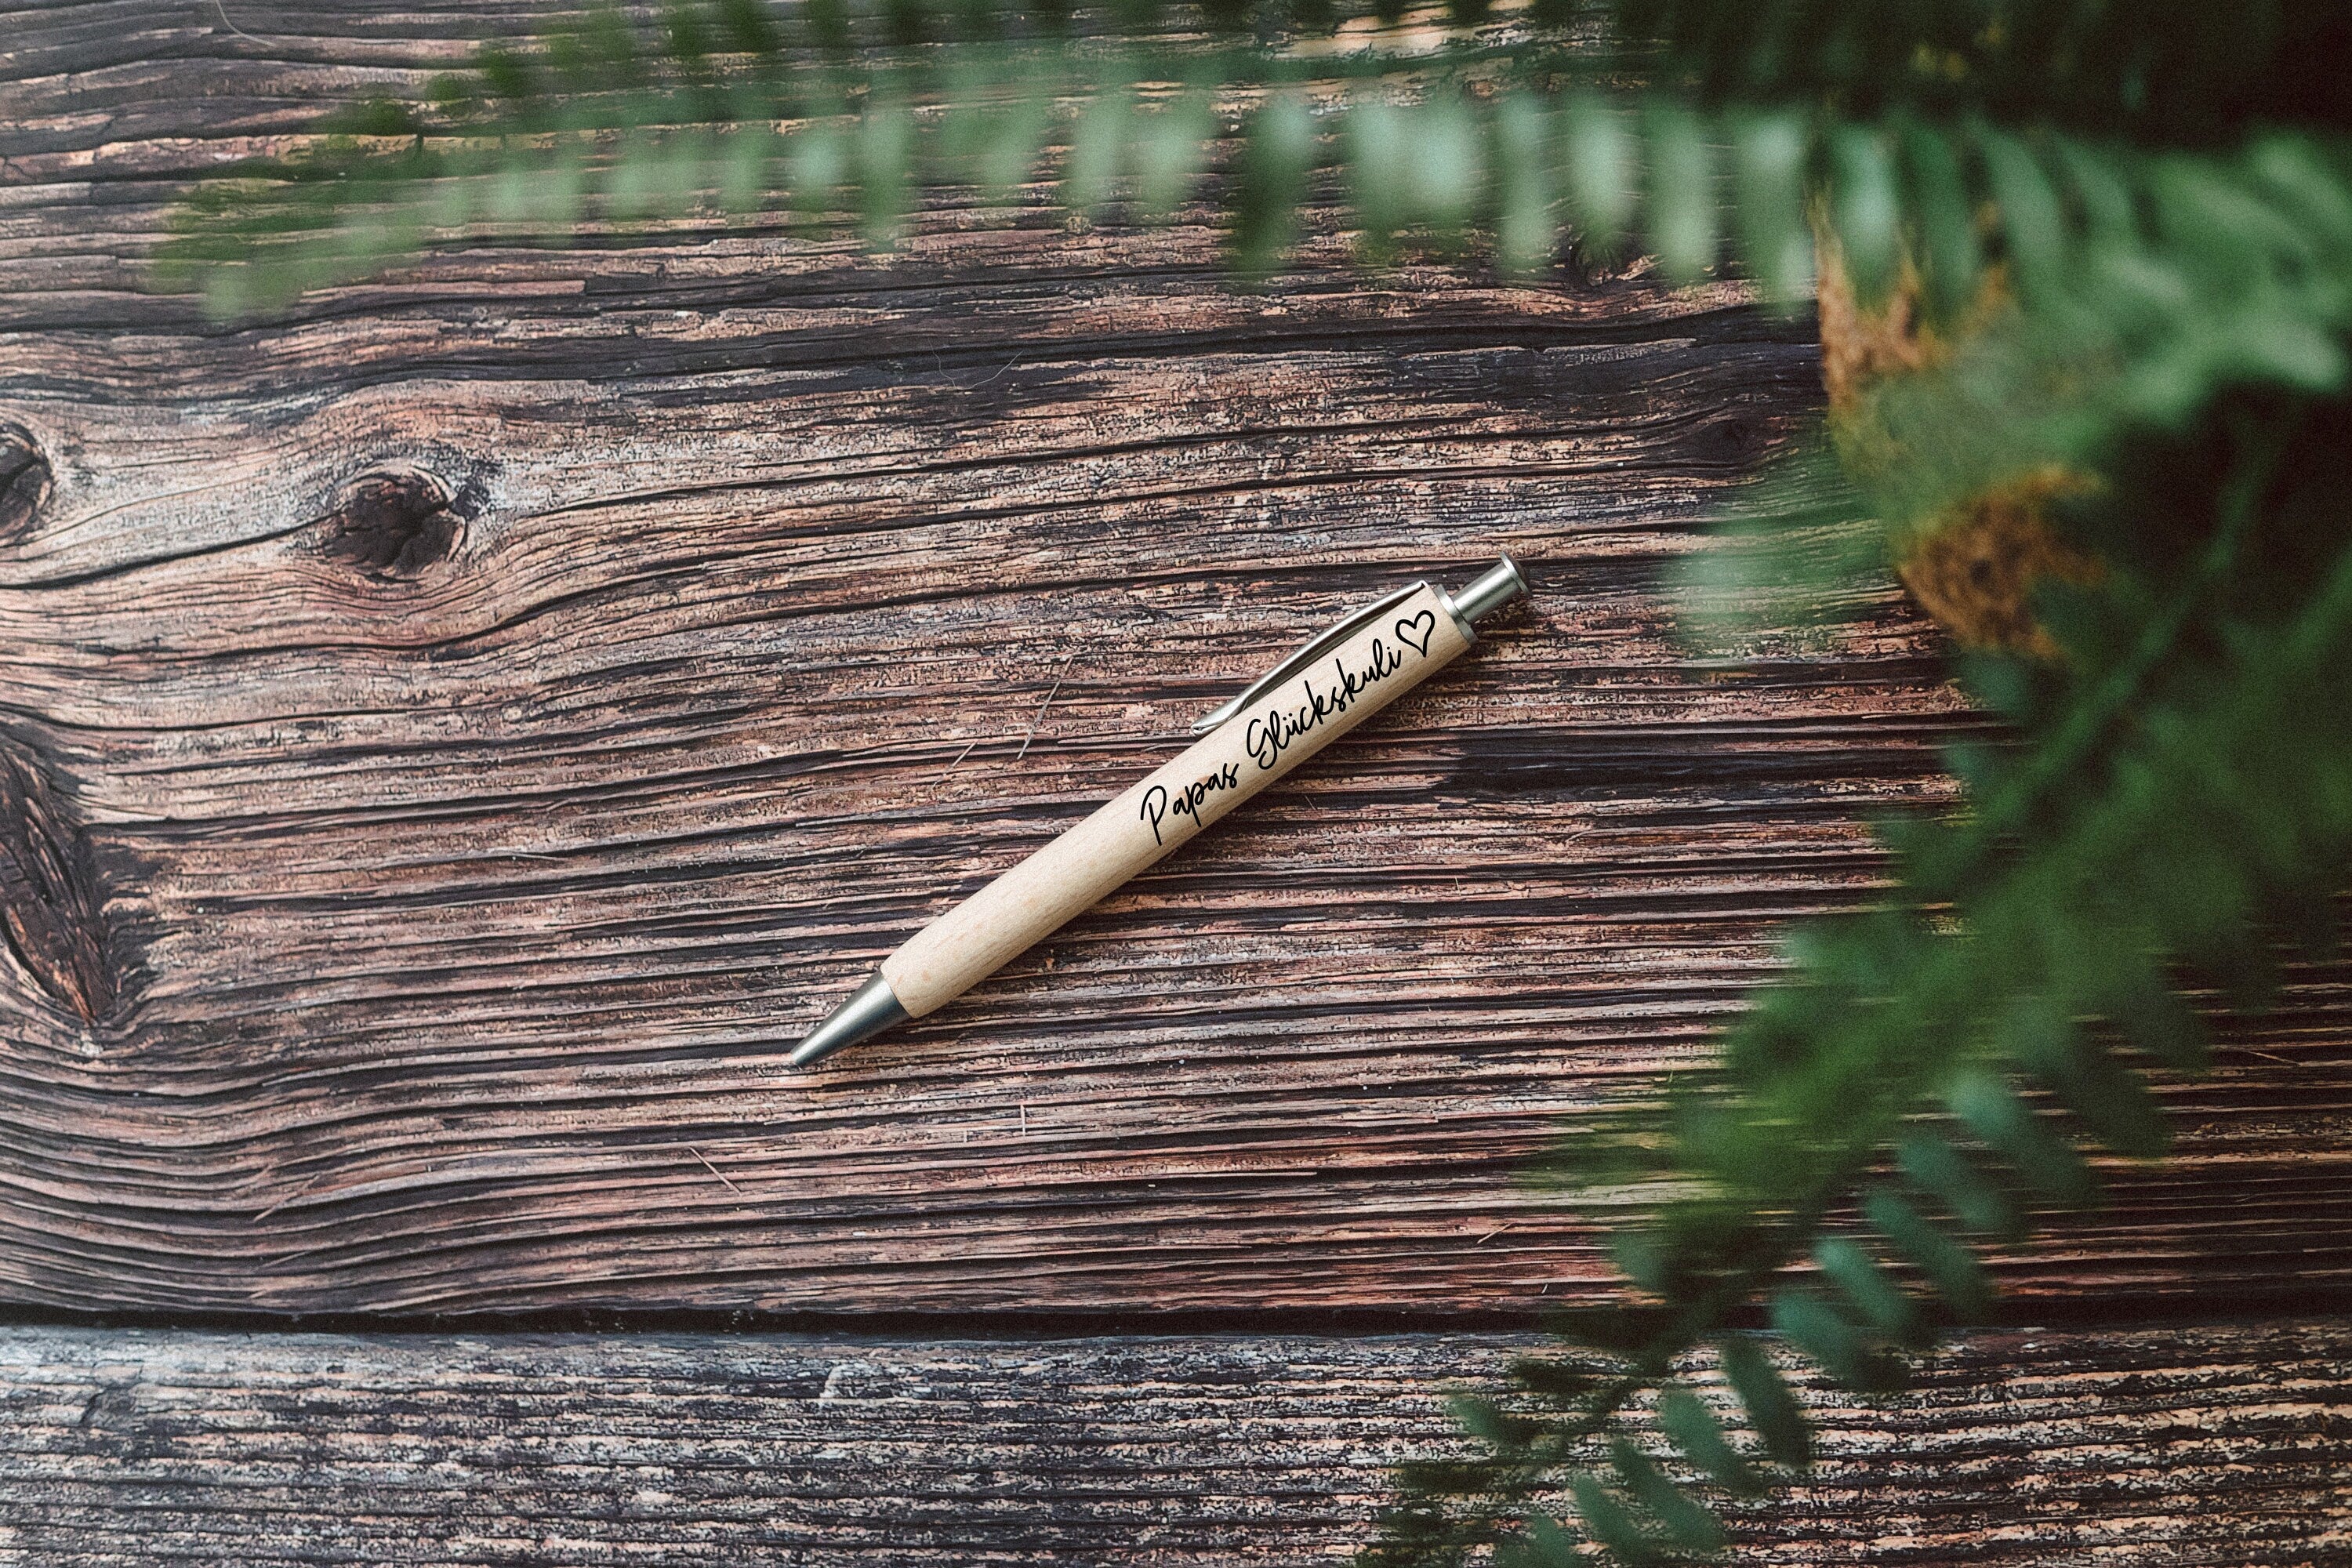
1334,683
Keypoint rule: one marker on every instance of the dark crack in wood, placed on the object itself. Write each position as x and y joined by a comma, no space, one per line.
52,910
24,482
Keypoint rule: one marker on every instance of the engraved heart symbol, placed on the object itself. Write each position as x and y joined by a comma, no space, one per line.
1417,629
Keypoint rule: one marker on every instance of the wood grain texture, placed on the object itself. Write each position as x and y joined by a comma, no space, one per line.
2223,1447
455,737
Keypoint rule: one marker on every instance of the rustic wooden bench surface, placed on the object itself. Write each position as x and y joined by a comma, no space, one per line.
2214,1445
457,733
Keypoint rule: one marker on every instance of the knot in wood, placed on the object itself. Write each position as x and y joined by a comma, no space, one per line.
24,481
1737,440
52,910
394,524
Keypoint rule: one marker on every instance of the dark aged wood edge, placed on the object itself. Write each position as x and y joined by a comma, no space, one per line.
2210,1445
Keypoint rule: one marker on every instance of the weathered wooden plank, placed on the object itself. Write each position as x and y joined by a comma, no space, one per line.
2220,1446
453,736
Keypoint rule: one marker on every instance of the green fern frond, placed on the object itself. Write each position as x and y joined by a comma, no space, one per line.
1941,1063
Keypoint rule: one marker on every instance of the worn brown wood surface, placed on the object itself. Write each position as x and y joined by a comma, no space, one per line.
456,735
2223,1447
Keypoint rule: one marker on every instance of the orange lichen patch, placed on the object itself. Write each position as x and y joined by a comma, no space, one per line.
1975,572
1861,346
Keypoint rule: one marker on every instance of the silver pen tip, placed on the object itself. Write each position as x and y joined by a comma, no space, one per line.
873,1008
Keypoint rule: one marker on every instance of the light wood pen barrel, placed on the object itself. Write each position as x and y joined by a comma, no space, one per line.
1410,638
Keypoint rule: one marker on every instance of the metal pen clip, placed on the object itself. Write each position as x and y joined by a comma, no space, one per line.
1308,652
1496,586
